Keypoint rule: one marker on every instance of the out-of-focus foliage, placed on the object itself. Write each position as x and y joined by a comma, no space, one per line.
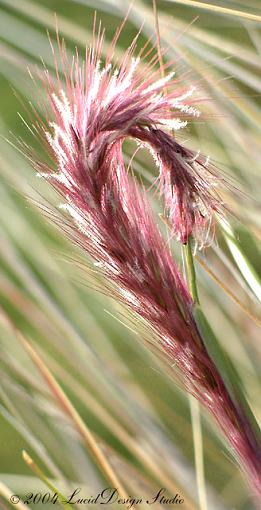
139,416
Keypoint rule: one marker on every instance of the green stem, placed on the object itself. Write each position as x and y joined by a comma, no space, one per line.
38,472
193,403
211,343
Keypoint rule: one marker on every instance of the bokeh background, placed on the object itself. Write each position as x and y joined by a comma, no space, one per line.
136,412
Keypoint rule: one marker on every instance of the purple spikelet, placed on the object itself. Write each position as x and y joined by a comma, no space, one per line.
93,113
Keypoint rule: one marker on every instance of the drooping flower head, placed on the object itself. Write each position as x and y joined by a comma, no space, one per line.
101,104
93,111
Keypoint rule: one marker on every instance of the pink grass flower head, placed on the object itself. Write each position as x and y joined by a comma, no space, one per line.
92,113
107,103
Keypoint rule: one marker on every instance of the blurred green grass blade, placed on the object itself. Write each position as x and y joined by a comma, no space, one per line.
46,17
248,272
214,40
198,451
16,38
218,9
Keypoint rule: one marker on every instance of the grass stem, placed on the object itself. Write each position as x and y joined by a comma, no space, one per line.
40,474
193,403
